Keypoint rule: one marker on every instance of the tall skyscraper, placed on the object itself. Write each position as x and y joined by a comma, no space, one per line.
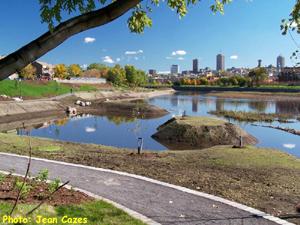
220,62
195,66
259,63
174,69
280,63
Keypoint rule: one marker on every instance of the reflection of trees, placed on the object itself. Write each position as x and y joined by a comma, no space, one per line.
120,119
61,122
174,100
259,106
219,104
287,107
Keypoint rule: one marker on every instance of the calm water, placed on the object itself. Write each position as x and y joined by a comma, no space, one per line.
122,132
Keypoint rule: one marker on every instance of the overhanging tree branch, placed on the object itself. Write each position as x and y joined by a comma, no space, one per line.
48,41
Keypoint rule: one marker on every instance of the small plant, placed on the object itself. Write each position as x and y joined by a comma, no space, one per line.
42,175
23,191
2,177
53,186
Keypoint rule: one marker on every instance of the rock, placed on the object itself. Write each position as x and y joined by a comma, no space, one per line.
17,99
77,102
200,132
298,207
88,103
71,110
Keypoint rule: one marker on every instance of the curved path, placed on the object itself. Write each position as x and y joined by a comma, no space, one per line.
161,202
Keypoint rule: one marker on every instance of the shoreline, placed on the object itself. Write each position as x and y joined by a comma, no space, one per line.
17,112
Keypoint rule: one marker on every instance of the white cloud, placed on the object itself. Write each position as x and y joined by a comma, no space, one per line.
134,52
290,146
180,58
118,59
84,66
89,40
179,52
90,129
136,58
108,59
168,57
234,57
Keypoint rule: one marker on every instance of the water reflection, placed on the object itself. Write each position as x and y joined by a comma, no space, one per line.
123,131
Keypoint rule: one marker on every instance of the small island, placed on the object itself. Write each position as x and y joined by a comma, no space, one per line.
185,133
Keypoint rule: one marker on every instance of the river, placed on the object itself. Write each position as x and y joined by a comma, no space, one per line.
122,132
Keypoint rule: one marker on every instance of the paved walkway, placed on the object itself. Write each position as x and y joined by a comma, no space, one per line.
163,204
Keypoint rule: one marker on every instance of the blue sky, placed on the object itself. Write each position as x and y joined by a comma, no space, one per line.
249,30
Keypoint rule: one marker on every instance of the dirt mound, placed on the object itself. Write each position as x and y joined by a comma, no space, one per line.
200,132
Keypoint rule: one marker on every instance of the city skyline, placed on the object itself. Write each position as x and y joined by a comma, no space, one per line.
169,41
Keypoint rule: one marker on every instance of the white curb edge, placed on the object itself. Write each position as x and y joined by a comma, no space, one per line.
183,189
130,212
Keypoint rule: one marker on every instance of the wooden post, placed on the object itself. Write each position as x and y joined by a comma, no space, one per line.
140,145
241,141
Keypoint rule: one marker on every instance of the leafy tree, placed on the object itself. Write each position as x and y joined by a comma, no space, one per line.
135,77
74,70
28,72
88,14
60,71
258,76
117,75
203,81
101,69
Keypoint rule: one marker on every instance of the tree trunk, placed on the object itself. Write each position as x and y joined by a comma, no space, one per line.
50,40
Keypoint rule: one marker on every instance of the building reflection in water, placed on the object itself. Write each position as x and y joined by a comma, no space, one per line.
195,104
288,107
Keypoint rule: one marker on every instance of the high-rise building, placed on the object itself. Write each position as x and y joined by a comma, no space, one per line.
174,69
220,62
152,72
195,66
259,63
280,63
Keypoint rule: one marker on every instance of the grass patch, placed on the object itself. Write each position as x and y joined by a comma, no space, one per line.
51,148
201,121
96,212
252,116
37,89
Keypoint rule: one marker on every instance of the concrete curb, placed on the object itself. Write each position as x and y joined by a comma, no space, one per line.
130,212
183,189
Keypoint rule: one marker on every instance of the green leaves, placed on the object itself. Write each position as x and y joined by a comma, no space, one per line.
52,11
138,21
219,6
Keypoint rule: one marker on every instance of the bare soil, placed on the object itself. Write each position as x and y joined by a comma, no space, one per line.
39,191
185,133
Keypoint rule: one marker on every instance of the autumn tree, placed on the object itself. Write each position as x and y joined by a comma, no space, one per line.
117,75
61,71
101,69
74,70
258,76
28,72
87,14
